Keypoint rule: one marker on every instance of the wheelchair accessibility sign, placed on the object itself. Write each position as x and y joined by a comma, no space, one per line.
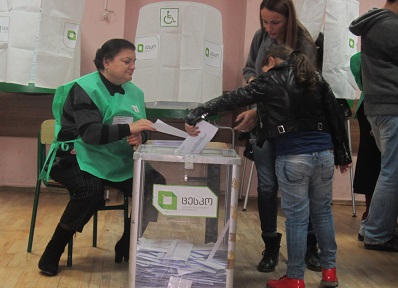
169,17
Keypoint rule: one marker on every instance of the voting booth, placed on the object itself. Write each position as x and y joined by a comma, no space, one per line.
332,18
183,233
39,42
179,52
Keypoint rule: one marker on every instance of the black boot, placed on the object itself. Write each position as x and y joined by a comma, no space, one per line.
270,254
49,261
122,247
312,259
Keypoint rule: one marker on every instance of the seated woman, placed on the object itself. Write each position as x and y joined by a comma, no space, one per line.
300,114
98,118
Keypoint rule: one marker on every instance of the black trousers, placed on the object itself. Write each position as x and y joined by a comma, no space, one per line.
86,192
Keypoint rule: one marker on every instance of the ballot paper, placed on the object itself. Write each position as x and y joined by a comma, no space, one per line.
191,144
177,263
195,144
160,126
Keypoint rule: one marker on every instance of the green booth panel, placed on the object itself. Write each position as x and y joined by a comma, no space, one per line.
24,89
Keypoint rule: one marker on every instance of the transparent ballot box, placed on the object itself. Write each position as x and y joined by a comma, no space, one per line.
184,215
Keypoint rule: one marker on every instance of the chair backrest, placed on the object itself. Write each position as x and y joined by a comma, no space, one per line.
45,137
47,131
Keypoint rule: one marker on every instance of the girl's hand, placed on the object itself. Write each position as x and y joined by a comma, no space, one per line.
343,168
192,130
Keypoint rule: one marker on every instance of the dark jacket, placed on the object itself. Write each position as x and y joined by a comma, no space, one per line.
378,29
284,106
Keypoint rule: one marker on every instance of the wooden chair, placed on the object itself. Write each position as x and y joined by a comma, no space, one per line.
45,138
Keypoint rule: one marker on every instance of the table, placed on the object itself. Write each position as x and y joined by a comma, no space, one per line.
185,205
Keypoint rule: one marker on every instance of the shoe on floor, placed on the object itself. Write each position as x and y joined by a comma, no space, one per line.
389,246
329,278
286,282
312,260
361,232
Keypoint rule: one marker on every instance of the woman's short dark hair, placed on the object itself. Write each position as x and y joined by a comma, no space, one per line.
110,49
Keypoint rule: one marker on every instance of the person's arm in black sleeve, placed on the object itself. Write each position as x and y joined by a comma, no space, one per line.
252,93
88,120
337,126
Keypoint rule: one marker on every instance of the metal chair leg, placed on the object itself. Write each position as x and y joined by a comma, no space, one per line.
95,224
242,182
249,184
70,249
34,214
354,211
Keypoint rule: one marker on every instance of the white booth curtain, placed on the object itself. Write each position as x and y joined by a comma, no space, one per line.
179,52
332,18
39,41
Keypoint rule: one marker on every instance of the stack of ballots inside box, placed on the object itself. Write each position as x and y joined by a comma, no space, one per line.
176,263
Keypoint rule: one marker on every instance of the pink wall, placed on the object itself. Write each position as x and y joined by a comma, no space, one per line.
240,21
95,32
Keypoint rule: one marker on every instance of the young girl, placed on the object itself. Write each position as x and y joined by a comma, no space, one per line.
297,110
279,25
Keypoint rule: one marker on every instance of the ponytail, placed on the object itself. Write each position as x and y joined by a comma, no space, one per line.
306,73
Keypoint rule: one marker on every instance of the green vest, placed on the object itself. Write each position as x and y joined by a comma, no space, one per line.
112,161
355,66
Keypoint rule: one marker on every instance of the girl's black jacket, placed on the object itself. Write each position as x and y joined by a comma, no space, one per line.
285,106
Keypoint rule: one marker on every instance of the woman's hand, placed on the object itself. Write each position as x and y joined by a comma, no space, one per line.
343,168
134,139
247,119
192,130
141,125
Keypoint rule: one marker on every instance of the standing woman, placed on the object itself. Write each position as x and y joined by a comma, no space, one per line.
279,25
99,117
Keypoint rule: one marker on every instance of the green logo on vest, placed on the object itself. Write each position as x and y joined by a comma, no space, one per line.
167,200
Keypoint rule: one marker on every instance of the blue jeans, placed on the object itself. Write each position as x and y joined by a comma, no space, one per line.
383,210
305,182
267,188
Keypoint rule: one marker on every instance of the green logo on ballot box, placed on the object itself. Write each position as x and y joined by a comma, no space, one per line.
167,200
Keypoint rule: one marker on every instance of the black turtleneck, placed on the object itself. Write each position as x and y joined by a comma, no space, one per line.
112,88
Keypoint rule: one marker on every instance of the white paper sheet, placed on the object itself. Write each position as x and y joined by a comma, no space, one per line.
155,270
160,126
194,145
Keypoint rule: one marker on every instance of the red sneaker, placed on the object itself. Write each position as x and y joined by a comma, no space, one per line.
285,282
329,278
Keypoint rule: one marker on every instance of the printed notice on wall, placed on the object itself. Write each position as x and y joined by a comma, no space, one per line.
4,26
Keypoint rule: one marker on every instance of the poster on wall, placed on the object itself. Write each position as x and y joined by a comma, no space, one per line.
42,45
